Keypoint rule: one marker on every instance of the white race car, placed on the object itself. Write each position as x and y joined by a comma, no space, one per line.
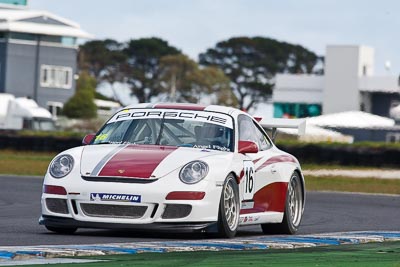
179,167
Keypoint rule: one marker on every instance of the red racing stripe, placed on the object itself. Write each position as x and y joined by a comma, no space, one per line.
180,106
242,172
276,159
136,161
269,198
256,160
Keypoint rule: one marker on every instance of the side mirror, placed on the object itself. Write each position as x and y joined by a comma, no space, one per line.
87,139
247,147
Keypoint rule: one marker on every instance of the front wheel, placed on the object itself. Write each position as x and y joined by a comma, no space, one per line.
293,210
229,208
62,230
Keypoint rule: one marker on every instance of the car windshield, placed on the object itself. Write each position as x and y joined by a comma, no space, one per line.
197,129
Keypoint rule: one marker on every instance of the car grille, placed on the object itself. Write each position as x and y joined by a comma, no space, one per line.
57,205
113,211
175,211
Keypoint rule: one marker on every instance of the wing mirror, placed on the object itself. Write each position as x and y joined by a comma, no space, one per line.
247,147
88,139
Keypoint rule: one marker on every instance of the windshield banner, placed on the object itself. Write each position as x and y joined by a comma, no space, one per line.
203,116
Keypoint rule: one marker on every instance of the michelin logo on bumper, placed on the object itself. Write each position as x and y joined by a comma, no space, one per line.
115,197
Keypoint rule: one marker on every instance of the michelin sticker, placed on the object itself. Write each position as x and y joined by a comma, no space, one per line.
115,197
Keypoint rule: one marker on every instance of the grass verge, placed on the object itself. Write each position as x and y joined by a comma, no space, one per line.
346,184
312,167
372,254
24,162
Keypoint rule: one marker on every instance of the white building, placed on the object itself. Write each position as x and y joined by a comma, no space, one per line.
349,84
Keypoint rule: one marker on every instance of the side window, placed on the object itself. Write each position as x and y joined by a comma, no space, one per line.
249,131
263,142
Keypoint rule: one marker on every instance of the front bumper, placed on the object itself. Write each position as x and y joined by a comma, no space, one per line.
92,204
61,222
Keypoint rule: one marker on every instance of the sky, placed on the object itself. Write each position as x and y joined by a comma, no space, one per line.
193,26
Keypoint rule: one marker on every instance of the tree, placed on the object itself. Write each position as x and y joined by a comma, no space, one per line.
183,81
81,105
176,75
105,60
252,63
143,56
214,83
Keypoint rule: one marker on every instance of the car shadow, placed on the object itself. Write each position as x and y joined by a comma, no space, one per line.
154,235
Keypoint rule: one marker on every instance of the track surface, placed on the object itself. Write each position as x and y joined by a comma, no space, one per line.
325,212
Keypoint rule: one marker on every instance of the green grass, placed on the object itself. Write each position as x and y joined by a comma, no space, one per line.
311,167
373,254
24,162
346,184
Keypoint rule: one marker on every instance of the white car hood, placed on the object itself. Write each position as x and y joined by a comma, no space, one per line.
137,161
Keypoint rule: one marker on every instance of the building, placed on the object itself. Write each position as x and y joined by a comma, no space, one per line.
348,84
38,54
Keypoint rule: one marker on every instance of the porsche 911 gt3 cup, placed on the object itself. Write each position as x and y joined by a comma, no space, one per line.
178,167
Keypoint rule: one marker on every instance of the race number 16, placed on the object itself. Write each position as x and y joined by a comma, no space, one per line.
249,179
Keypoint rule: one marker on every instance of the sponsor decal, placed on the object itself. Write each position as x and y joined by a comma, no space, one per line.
214,147
101,137
249,219
247,204
205,116
249,186
115,197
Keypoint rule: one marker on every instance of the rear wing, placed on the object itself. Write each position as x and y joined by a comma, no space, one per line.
274,124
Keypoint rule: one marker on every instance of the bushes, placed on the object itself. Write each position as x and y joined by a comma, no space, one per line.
359,154
38,143
82,105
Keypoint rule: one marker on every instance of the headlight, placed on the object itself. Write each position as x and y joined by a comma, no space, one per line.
193,172
61,166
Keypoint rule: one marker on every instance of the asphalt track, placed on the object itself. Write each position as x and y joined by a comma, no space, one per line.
324,213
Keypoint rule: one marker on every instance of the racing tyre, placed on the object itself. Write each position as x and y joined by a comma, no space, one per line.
228,215
60,230
293,210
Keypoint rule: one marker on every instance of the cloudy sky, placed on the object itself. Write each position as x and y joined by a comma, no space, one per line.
195,25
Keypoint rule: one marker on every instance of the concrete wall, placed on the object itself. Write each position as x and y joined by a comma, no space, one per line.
388,84
342,69
21,65
298,88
